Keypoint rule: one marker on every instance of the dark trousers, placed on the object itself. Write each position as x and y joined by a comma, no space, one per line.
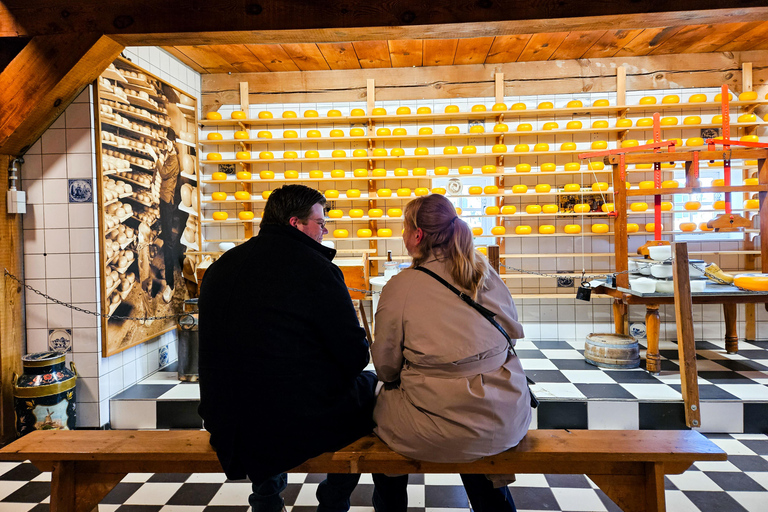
167,214
332,494
390,494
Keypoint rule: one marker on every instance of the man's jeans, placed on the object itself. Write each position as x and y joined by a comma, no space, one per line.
332,494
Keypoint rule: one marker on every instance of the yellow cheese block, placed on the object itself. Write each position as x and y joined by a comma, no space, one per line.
245,215
219,196
335,214
533,209
220,215
291,174
242,195
546,229
353,192
600,228
340,233
550,208
753,282
572,229
633,228
375,213
219,176
355,213
508,209
492,210
384,232
498,230
364,233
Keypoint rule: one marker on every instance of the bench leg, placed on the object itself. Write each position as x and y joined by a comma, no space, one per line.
74,489
635,492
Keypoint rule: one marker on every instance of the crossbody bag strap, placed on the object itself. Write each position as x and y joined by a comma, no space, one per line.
488,314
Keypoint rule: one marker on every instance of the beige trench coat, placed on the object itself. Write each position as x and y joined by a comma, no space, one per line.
462,393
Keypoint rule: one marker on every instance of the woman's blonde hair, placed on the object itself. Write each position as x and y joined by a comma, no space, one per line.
448,236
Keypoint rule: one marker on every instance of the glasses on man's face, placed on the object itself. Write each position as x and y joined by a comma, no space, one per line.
320,222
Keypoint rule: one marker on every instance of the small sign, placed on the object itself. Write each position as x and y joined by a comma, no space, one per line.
81,191
60,340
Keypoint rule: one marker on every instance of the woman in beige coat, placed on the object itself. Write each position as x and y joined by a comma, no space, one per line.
453,392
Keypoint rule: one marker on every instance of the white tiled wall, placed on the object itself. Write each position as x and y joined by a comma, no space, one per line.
61,249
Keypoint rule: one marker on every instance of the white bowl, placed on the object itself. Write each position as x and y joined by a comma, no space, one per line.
661,270
698,285
694,271
660,252
643,285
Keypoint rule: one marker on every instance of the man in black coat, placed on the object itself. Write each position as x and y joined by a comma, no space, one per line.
282,354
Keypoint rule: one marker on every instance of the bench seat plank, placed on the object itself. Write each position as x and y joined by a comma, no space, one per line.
629,466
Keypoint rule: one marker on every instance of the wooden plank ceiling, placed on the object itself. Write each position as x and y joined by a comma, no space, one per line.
243,58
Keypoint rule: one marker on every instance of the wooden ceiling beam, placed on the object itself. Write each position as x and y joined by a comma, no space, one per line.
46,75
181,22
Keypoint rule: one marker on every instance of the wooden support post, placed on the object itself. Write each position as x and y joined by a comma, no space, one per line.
371,95
620,226
12,320
493,256
499,87
746,76
245,106
652,326
621,86
620,316
762,176
373,265
686,346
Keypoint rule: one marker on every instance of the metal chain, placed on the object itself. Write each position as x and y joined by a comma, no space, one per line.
585,277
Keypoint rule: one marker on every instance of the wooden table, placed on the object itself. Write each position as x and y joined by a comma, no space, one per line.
727,295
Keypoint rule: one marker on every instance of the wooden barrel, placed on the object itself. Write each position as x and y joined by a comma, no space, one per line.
608,350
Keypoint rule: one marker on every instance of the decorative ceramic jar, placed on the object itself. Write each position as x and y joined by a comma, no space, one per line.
44,395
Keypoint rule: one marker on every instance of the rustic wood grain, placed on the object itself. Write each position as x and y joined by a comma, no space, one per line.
472,50
723,33
576,44
611,43
646,41
405,53
306,56
542,46
439,52
686,346
507,48
339,55
748,40
272,56
372,54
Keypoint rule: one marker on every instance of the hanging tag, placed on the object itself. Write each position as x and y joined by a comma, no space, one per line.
584,292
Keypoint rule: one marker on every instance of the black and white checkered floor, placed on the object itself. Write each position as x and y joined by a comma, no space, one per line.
733,389
737,485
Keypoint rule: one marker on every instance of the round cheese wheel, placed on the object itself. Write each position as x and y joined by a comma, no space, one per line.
384,232
572,229
753,282
364,233
581,208
245,215
475,190
219,176
441,170
533,209
638,207
498,230
353,192
394,212
492,210
546,229
523,230
219,196
335,214
477,231
600,228
375,213
508,209
340,233
220,215
355,213
550,208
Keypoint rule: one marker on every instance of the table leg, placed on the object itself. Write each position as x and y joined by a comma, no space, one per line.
731,335
620,316
652,327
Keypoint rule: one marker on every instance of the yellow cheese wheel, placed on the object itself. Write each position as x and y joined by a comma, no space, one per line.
403,192
753,282
289,114
599,144
491,189
340,233
703,226
219,176
353,192
423,110
697,98
669,184
242,195
571,187
475,190
601,103
316,174
546,229
375,213
692,120
523,168
671,98
355,213
265,115
488,169
550,208
219,196
384,192
290,154
547,167
438,190
419,171
214,156
607,207
752,204
357,112
501,128
666,206
651,227
492,210
465,169
403,111
312,153
719,97
378,111
421,191
521,148
291,174
751,181
644,121
425,130
450,150
747,118
623,123
451,130
483,250
499,148
632,228
517,106
421,151
748,96
572,229
220,215
595,166
638,207
478,108
545,104
572,166
646,184
498,230
600,228
215,136
265,194
718,119
533,209
400,171
243,155
360,173
694,141
338,153
379,172
599,124
314,134
263,134
508,209
648,100
335,214
687,226
524,127
550,125
499,107
394,212
574,104
477,231
573,125
356,132
543,188
245,215
629,143
476,128
213,116
692,205
266,155
567,146
364,233
384,232
245,175
519,189
336,133
582,208
383,132
441,170
541,147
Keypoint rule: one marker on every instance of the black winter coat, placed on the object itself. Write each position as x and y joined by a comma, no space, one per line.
281,355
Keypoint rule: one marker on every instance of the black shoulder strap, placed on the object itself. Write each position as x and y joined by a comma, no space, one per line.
488,314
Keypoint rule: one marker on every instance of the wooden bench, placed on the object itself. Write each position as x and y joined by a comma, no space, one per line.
629,466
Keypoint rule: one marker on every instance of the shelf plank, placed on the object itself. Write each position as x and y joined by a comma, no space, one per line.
695,190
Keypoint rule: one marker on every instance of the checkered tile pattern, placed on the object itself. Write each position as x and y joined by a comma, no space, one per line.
733,390
737,485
